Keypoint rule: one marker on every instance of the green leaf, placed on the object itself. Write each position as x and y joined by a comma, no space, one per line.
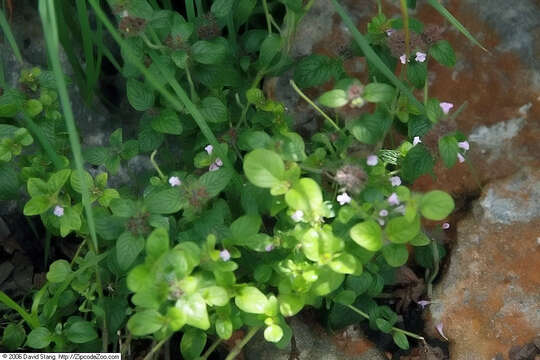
167,122
213,110
206,52
359,284
417,73
400,231
128,247
81,332
378,92
270,47
158,242
130,148
436,205
139,95
367,234
9,182
290,304
123,207
39,338
245,227
194,307
216,181
420,240
264,168
176,318
145,322
192,344
345,297
33,107
180,58
433,110
57,180
333,98
417,162
215,295
140,9
273,333
327,281
37,205
13,336
448,149
224,328
166,201
222,8
139,278
96,155
401,340
251,300
306,196
369,128
314,70
396,255
344,264
76,183
442,52
71,220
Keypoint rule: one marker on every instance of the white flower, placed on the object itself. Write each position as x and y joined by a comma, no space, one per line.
395,180
372,160
463,145
403,59
393,199
446,106
58,211
298,215
209,149
174,181
383,213
343,199
460,157
225,255
216,165
416,140
420,57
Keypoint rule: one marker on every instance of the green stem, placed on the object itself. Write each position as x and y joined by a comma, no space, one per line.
155,348
405,14
200,8
211,349
304,96
156,166
267,15
194,96
190,10
150,45
239,346
366,316
32,321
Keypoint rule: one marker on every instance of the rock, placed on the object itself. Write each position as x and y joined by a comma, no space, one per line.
488,297
313,343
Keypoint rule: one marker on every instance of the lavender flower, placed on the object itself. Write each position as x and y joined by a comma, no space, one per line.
383,213
393,199
460,158
209,149
446,106
463,145
372,160
343,199
225,255
174,181
439,328
298,215
416,140
58,211
420,57
395,180
403,59
445,226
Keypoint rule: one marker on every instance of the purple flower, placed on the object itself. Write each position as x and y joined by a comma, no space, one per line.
219,162
446,106
395,180
416,140
343,199
403,59
460,158
298,215
439,328
269,247
174,181
372,160
225,255
445,226
393,199
383,213
423,303
216,165
209,149
58,211
420,57
463,145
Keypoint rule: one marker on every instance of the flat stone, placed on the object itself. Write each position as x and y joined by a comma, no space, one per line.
488,297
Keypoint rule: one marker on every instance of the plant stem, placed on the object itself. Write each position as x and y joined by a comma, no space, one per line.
366,316
405,14
194,96
211,349
155,348
156,166
304,96
190,10
267,15
239,346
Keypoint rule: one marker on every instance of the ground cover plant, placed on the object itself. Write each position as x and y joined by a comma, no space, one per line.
245,222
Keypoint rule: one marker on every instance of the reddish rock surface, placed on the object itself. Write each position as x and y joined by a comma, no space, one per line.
488,298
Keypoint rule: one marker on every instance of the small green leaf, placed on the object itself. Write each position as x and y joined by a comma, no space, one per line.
33,107
167,122
192,344
251,300
264,168
224,328
314,70
71,220
157,243
81,332
400,231
13,336
273,333
96,155
216,181
345,297
37,205
290,304
420,240
222,8
379,92
306,196
367,234
59,271
344,264
166,201
396,255
270,47
76,183
245,227
206,52
145,322
417,162
128,247
436,205
333,98
214,110
215,295
139,95
442,52
417,73
39,338
448,149
401,340
57,180
194,307
433,110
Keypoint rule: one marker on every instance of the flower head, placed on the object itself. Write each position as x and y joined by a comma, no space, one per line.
174,181
215,165
298,215
446,106
209,149
395,180
269,247
372,160
58,211
393,199
343,199
403,59
460,158
219,162
225,255
420,56
445,226
416,140
383,213
463,145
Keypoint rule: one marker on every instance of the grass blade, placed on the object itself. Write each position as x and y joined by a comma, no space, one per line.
446,14
374,58
32,321
9,36
88,48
